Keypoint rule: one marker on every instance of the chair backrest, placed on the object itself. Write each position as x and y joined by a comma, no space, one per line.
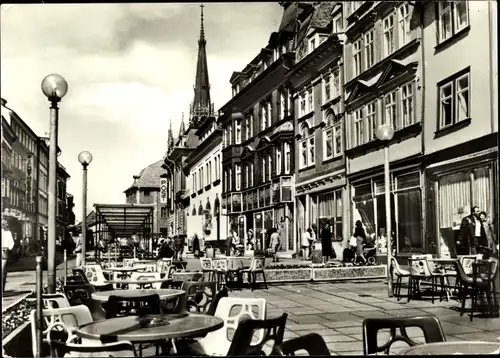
428,258
420,267
129,262
59,319
147,267
312,343
257,263
220,264
234,310
206,263
199,295
466,261
79,294
242,340
55,300
430,325
77,271
94,274
221,294
132,306
139,276
116,349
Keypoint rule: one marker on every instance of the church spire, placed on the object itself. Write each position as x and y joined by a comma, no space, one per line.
201,105
170,139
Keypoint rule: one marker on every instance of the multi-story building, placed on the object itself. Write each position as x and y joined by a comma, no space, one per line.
146,190
20,211
317,82
42,200
61,217
383,85
181,148
461,116
258,142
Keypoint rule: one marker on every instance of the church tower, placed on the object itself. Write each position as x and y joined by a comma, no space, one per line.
201,105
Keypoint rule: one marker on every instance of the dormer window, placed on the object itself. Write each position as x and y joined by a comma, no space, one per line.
312,44
337,25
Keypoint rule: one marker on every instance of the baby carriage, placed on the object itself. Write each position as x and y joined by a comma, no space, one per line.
369,253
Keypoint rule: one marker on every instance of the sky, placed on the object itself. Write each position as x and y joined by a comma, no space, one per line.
130,69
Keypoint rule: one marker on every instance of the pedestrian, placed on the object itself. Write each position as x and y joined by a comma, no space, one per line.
275,244
360,235
229,243
179,247
326,242
471,233
250,240
7,246
196,246
166,251
78,251
306,240
312,240
491,248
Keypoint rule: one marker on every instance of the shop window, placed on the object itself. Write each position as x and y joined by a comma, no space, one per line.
330,213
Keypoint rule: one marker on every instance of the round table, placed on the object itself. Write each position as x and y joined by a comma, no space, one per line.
450,348
138,282
164,293
145,261
122,269
130,329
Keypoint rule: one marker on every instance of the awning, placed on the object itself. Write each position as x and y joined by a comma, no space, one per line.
125,219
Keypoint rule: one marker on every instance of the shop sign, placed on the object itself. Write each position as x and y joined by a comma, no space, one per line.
163,190
29,179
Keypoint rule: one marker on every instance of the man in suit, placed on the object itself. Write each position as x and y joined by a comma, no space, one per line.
7,246
471,232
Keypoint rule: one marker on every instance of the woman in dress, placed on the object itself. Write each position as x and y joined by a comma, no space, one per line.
360,235
196,246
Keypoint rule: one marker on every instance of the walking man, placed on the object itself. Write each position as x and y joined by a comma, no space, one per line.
7,245
275,244
471,232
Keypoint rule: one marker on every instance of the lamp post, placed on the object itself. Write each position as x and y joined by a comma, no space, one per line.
217,218
85,158
54,87
385,133
172,175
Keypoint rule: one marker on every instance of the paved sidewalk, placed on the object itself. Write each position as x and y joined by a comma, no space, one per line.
336,311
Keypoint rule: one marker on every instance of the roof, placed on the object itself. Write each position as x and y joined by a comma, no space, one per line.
321,17
124,219
149,177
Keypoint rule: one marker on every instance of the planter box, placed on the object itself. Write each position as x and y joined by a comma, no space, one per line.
349,273
286,275
18,343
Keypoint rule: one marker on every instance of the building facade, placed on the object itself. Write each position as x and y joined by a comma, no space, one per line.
42,200
146,190
61,212
258,144
317,82
204,189
461,117
383,86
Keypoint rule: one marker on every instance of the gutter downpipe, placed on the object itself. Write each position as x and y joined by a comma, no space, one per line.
422,135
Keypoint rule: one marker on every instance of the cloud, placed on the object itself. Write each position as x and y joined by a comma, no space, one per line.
130,70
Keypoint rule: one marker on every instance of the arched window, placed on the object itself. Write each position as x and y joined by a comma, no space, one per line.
194,211
208,206
332,135
200,209
307,147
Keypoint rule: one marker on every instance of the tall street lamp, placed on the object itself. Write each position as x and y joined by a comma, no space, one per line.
54,87
217,217
385,133
85,158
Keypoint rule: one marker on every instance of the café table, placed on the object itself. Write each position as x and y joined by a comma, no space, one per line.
451,348
140,283
442,264
151,328
145,261
164,293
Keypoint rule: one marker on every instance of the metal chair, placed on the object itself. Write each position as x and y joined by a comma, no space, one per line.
400,274
207,267
256,267
118,349
430,325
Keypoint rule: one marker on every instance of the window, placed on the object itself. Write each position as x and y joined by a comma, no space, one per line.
407,103
452,18
356,50
238,131
312,44
209,173
307,157
247,176
163,212
237,170
263,163
404,25
249,126
201,178
230,138
230,179
332,137
369,49
327,93
278,160
195,183
265,115
310,100
358,127
336,82
355,5
371,120
302,106
388,35
337,24
288,157
216,165
269,166
251,174
283,104
390,116
269,112
454,97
